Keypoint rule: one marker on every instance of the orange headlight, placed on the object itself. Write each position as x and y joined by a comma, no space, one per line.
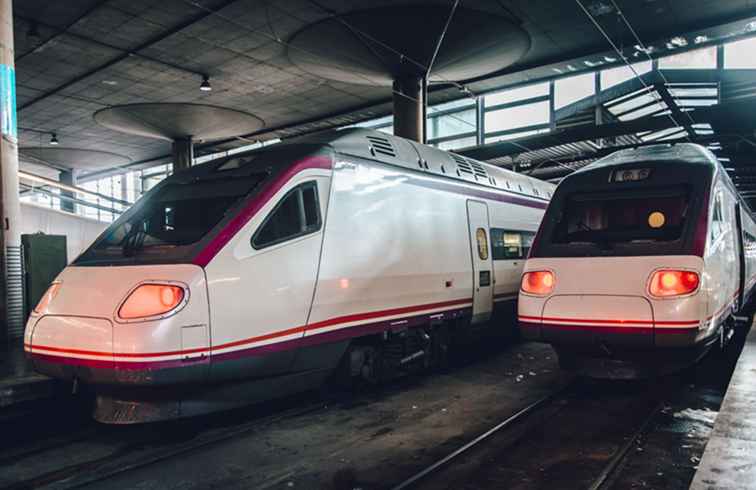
539,283
151,300
44,301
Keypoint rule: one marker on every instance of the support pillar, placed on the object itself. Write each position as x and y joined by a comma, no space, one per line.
67,177
409,109
11,285
183,154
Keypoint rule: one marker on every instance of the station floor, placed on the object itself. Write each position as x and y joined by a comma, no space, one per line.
18,382
729,461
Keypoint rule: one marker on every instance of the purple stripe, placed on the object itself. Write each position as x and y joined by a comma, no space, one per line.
342,334
262,350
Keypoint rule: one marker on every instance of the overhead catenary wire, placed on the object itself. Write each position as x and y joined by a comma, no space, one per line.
626,61
644,49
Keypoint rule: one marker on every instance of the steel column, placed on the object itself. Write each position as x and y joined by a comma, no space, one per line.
183,154
68,178
11,287
409,108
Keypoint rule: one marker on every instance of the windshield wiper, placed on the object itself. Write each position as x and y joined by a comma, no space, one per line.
133,241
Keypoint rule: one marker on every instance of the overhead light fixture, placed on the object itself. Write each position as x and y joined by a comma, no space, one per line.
610,59
205,86
54,139
679,41
751,26
700,39
600,8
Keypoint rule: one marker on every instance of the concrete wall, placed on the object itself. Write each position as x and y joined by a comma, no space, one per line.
80,232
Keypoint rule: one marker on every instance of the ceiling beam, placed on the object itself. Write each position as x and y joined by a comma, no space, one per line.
683,120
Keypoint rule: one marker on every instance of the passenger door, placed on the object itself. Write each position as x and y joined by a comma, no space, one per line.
483,280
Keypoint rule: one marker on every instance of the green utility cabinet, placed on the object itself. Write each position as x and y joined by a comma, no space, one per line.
44,257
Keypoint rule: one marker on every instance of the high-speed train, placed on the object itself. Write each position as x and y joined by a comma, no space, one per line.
641,263
259,274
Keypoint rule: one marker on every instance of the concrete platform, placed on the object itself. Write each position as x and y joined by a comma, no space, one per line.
18,383
729,461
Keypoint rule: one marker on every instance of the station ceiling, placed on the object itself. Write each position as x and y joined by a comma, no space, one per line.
77,57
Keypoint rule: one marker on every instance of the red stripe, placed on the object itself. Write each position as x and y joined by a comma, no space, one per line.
609,322
281,333
240,220
621,330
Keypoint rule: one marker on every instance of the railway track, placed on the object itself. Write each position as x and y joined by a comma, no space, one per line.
432,476
135,454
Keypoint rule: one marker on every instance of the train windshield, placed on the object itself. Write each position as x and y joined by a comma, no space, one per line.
626,223
170,220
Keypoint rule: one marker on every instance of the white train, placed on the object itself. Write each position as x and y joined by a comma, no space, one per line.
256,275
641,262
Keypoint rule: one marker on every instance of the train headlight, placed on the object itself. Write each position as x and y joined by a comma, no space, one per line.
49,295
150,300
539,283
666,283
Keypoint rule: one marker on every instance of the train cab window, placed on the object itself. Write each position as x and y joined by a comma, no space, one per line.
297,214
607,219
169,221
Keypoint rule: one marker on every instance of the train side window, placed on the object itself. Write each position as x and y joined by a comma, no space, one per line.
297,214
509,245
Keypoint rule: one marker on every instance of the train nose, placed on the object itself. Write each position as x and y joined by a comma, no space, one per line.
598,320
55,339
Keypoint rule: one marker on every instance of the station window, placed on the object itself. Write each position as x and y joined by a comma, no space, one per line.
739,54
573,89
704,58
297,214
619,74
510,245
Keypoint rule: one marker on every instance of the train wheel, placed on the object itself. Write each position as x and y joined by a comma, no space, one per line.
441,348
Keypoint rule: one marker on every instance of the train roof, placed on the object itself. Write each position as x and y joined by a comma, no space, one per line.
688,153
401,152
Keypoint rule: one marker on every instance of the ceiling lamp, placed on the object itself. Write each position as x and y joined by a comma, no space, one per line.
205,86
54,139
